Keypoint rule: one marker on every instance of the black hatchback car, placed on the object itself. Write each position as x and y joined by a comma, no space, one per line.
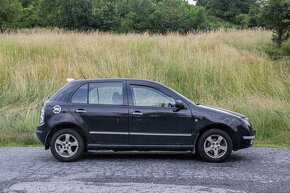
133,114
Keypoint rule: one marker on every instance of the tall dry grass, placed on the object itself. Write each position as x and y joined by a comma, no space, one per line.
226,69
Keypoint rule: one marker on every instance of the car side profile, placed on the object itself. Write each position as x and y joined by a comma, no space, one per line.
133,114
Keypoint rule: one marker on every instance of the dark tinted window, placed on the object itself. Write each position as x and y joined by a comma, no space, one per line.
106,93
63,93
81,95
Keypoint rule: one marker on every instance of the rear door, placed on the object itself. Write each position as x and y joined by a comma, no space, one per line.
152,120
102,108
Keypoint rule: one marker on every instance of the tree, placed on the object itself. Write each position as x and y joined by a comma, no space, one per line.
30,16
277,15
192,18
69,14
228,10
10,13
154,16
169,19
107,15
255,17
139,16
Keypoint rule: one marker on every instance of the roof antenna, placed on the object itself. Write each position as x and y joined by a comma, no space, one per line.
80,70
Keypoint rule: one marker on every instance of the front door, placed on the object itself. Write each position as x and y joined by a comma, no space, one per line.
101,107
152,120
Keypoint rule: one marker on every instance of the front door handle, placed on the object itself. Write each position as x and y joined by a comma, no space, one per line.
136,113
81,111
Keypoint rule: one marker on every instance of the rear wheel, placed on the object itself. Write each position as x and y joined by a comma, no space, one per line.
67,145
214,145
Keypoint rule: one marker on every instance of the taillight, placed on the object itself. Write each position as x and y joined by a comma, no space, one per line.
41,119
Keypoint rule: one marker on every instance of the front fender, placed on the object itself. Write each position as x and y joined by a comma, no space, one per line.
228,124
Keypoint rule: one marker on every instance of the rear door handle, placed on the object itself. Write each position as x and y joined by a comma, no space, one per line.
136,113
81,111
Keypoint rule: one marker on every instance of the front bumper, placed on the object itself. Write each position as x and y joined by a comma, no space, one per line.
244,142
247,139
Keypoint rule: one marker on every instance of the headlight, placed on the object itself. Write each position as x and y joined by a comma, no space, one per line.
41,120
246,120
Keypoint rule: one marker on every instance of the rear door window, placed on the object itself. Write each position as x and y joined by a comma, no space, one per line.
106,93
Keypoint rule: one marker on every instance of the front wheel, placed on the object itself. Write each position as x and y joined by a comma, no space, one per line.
67,145
214,145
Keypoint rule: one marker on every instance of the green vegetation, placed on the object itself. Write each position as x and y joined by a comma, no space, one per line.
229,69
231,11
10,13
240,70
154,16
277,13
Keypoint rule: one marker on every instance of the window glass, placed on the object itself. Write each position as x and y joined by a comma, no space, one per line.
106,93
81,95
147,96
63,93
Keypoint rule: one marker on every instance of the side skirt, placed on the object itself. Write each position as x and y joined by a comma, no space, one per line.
140,147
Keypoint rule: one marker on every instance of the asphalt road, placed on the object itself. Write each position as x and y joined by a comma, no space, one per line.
251,170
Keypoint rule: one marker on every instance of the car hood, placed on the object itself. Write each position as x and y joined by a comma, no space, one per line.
220,110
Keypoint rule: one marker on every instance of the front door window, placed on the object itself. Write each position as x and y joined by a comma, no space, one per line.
150,97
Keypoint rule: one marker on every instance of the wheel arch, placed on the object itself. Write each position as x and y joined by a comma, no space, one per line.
220,126
64,126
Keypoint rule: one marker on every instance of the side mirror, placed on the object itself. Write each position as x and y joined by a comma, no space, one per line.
178,105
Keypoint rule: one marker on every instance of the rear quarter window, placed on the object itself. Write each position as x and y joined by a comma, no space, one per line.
63,93
80,95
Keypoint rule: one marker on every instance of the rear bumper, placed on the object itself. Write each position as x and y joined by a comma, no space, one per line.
41,133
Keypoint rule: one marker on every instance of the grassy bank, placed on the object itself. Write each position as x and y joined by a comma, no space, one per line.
225,69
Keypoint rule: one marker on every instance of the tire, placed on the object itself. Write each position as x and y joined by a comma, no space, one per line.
214,145
67,145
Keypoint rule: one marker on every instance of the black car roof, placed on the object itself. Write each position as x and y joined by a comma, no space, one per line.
113,79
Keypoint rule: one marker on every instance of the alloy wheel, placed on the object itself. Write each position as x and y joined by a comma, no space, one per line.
215,146
66,145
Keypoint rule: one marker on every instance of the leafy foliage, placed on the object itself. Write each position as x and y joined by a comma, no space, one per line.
277,15
228,10
10,12
69,14
154,16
